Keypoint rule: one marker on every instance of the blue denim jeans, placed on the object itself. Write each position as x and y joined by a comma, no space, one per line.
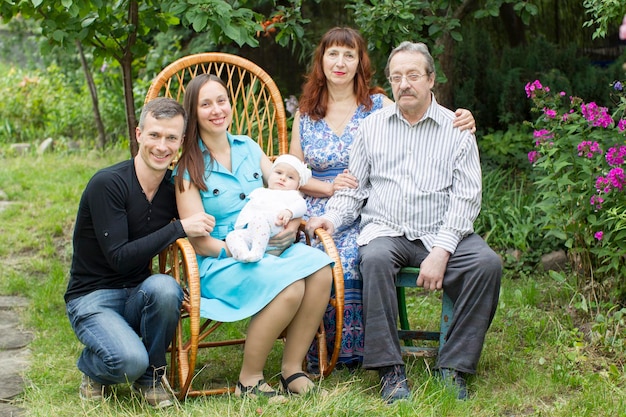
126,331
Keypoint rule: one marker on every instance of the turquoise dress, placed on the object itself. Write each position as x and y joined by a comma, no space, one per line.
232,290
327,154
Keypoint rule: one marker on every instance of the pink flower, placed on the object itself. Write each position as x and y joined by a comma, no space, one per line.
599,235
533,156
551,114
616,178
588,148
597,116
621,125
615,156
542,136
596,201
531,87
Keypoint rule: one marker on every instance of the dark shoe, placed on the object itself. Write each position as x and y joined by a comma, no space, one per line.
393,383
312,387
286,381
158,395
91,390
454,380
255,391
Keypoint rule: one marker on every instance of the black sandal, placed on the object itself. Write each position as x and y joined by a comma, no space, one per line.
285,382
255,391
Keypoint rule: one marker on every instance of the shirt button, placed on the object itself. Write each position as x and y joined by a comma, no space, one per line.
242,196
256,175
216,191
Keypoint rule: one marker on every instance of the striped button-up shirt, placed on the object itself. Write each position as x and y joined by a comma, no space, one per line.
422,181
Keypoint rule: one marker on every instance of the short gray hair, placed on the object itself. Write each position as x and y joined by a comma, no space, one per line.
415,47
162,108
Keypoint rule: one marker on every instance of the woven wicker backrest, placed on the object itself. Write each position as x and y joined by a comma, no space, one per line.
258,108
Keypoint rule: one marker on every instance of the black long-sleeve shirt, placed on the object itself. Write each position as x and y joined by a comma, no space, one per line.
118,231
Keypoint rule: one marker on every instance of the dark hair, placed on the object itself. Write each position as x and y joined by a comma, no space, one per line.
314,98
191,159
162,108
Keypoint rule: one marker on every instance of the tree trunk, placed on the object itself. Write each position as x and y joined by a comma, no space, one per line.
94,96
513,24
126,62
129,105
443,91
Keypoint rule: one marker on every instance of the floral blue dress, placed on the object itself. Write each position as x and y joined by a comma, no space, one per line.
327,154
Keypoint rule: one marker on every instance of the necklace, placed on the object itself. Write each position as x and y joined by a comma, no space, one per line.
338,129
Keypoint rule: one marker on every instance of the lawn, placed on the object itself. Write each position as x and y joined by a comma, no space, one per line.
540,356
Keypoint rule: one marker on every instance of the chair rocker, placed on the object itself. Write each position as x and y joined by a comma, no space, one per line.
259,112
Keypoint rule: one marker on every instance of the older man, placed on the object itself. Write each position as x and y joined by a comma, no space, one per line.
419,193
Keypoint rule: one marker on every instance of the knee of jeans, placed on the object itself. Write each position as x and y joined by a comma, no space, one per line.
166,288
128,366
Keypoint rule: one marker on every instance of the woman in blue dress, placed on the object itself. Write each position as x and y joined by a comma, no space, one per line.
215,174
335,98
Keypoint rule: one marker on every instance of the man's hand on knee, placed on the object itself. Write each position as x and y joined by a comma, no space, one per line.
432,269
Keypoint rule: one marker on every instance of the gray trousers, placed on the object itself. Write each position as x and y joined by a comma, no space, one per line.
471,280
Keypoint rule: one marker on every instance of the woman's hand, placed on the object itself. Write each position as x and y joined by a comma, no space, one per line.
287,237
464,120
344,180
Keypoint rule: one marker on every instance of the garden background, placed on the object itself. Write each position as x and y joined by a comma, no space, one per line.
543,79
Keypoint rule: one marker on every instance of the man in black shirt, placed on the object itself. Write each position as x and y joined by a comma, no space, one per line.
125,316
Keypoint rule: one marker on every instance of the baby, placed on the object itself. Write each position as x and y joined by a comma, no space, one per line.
269,209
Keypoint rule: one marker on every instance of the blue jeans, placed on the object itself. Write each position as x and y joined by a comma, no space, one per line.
126,331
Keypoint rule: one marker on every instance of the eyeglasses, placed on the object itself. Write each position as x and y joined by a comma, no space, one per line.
411,77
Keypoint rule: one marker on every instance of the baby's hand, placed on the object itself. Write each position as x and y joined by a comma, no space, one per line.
283,218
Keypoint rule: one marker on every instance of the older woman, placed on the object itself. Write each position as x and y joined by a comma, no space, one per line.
336,96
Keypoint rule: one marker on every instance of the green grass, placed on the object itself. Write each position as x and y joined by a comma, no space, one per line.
537,361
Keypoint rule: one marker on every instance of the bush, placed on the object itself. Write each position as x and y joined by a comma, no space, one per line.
580,155
490,82
41,104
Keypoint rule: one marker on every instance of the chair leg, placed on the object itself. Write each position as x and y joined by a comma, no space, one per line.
402,313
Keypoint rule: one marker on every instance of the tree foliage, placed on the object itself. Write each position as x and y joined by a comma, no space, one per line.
386,23
604,13
124,30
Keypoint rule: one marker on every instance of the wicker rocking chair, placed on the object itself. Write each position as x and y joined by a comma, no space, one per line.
259,112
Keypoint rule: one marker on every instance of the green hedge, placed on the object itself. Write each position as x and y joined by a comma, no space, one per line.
39,104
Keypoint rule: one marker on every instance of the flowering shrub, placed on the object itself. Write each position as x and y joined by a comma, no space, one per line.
579,155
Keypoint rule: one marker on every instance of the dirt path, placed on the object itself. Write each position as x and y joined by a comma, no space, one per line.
14,353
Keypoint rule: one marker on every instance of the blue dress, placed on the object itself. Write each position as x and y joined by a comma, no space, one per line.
232,290
327,154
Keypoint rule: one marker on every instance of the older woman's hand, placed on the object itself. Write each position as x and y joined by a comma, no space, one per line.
344,180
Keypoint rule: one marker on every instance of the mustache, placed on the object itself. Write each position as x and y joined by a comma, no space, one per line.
406,92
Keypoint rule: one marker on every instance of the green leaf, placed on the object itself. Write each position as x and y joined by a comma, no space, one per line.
199,23
87,22
58,35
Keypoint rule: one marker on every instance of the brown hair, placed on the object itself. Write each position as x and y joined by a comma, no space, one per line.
191,159
162,108
314,98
